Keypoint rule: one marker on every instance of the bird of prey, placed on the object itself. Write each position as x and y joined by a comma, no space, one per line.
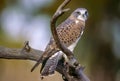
69,33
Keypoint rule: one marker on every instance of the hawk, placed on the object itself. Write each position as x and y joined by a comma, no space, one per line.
69,33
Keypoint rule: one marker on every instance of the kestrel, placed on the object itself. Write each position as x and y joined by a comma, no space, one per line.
69,33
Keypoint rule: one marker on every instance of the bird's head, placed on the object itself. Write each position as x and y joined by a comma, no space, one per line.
80,14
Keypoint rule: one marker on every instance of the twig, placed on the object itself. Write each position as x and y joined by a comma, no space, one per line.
22,54
60,11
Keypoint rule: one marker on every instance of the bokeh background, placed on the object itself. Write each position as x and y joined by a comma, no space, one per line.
98,50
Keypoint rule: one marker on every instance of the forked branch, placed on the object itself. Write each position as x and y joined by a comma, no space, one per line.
25,53
60,11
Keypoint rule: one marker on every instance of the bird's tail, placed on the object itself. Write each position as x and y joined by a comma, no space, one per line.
51,64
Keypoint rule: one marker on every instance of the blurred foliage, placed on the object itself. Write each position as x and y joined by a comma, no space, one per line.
96,50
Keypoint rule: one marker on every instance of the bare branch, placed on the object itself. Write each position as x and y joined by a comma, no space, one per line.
60,11
22,54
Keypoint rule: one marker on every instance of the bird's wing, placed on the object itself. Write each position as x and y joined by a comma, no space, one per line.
51,64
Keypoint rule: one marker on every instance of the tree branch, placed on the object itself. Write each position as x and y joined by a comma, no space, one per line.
60,11
26,53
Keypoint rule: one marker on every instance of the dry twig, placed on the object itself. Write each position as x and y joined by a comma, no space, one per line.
60,11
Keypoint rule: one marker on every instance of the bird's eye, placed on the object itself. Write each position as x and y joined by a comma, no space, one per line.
78,13
86,13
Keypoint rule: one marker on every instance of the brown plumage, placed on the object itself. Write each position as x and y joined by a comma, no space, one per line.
69,32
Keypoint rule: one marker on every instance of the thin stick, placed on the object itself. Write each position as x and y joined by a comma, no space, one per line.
60,11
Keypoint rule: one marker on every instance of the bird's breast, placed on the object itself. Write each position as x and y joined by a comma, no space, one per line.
69,33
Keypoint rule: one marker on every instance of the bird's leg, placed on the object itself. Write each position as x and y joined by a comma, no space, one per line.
66,70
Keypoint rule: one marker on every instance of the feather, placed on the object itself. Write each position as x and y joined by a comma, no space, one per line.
51,64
